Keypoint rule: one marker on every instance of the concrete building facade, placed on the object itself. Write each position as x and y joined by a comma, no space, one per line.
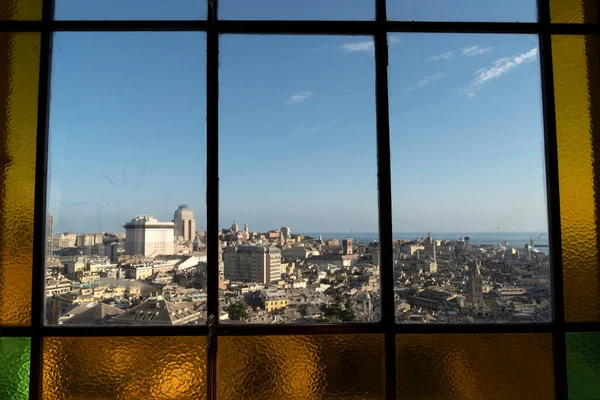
260,264
185,224
148,237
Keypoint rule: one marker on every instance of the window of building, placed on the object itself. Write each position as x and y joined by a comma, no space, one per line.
378,112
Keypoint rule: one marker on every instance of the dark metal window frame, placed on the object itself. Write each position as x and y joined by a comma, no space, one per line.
378,29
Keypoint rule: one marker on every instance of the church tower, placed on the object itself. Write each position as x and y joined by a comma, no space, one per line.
476,285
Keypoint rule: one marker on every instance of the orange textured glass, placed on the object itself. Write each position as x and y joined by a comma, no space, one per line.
474,366
575,61
19,74
21,10
574,11
301,367
124,368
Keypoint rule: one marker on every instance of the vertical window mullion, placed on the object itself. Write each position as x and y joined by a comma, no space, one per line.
39,234
212,191
384,184
552,196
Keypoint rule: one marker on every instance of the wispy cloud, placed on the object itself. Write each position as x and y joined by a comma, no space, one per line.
474,51
300,97
498,68
395,40
427,80
324,127
444,56
367,45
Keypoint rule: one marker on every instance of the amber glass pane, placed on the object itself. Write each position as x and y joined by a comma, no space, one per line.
575,60
301,367
474,366
583,365
124,368
574,11
23,10
19,71
14,370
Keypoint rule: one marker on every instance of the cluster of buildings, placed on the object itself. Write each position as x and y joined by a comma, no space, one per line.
458,282
156,273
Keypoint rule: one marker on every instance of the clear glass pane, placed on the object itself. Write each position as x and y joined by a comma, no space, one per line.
576,62
124,368
462,10
298,171
347,10
21,10
574,11
130,9
469,206
583,365
474,366
127,180
19,75
14,374
301,367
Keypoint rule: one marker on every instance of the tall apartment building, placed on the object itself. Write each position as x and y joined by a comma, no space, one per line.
49,232
147,236
185,224
259,264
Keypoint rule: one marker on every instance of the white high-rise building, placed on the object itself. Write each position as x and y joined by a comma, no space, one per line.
146,236
185,224
286,232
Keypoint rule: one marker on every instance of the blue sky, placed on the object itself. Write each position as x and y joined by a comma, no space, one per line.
297,125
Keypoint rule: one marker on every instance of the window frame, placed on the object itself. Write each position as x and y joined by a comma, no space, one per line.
378,29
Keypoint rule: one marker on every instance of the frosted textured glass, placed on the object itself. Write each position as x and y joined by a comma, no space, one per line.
574,11
575,61
474,366
301,367
14,370
23,10
583,365
124,368
19,74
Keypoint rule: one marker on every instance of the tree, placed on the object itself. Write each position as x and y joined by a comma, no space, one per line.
237,310
340,311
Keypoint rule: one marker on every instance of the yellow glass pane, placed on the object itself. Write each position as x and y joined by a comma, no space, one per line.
301,367
23,10
124,368
574,11
19,74
474,366
576,71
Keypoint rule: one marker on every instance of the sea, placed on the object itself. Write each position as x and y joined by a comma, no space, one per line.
513,239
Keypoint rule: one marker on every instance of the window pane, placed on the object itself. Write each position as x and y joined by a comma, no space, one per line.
583,365
470,220
574,11
21,10
297,10
130,10
14,374
124,368
127,177
576,62
19,74
300,367
474,366
298,171
462,10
